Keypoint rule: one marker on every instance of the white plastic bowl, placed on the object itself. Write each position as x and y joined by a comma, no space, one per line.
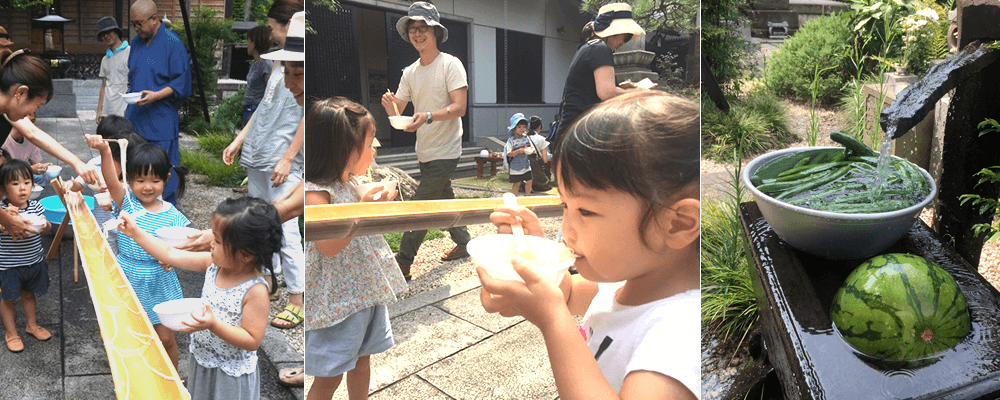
53,171
36,192
173,313
830,234
176,235
364,188
494,253
132,98
400,122
36,222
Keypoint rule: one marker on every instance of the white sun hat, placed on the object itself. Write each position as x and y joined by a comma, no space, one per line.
616,18
295,41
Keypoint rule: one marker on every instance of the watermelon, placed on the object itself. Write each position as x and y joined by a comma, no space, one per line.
900,307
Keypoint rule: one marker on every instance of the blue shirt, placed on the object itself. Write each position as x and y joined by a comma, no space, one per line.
160,63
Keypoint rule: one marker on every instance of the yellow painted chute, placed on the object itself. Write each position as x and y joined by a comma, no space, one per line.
140,366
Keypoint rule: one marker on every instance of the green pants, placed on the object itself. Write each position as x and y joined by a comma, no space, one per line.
435,184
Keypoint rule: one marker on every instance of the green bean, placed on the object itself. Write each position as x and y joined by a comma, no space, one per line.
809,170
815,183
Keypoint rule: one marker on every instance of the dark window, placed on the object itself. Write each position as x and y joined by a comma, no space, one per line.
519,68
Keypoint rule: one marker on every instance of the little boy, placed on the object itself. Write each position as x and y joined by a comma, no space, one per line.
23,270
114,69
18,148
515,154
258,42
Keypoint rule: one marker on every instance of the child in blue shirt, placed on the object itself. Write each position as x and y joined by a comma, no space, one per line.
515,154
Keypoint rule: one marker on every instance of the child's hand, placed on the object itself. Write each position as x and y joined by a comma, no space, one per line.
128,225
535,299
97,142
166,267
378,193
504,216
39,168
46,227
201,322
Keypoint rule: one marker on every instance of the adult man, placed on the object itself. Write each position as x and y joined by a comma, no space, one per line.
159,67
437,85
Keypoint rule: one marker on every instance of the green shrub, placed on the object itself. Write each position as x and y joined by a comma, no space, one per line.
209,33
820,44
726,52
229,114
211,166
759,121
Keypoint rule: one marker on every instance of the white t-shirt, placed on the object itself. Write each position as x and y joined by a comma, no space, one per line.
663,336
115,70
427,87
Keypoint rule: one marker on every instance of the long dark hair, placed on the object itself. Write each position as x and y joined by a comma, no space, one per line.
283,10
335,130
251,226
645,143
25,69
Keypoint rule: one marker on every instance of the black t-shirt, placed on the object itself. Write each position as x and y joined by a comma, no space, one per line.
580,92
5,128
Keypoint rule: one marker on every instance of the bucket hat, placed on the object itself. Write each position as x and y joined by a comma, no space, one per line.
514,119
421,11
616,18
5,38
107,24
295,41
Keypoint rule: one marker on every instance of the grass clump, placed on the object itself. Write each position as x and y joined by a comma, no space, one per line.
394,238
758,121
218,173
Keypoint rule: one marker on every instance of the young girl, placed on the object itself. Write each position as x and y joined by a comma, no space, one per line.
23,270
224,340
359,275
515,154
628,177
147,171
258,42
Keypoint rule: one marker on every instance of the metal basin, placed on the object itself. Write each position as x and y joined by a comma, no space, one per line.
831,234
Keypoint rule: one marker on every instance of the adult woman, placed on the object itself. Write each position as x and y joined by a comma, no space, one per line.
591,77
271,148
25,84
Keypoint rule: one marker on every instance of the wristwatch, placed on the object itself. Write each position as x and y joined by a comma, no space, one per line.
430,118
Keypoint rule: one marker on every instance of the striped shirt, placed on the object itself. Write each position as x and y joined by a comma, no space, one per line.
151,283
23,252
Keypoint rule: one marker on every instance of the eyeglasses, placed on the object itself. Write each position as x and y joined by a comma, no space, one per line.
138,25
415,28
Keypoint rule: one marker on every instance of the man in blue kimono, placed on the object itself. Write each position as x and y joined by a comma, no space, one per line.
159,67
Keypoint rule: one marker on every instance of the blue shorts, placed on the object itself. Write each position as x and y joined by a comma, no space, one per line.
334,350
32,278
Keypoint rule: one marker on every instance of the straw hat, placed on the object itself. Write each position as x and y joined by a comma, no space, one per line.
295,41
614,19
421,11
5,38
108,24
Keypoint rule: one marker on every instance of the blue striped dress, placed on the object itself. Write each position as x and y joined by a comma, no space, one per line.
23,252
152,284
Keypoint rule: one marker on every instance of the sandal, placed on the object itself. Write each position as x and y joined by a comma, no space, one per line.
291,314
14,344
292,377
39,333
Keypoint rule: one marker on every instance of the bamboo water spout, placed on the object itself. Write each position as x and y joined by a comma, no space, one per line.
917,100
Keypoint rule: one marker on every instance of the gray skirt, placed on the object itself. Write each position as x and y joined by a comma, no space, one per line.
212,383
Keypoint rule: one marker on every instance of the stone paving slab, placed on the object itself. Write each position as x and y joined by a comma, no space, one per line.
467,306
422,337
88,387
512,364
411,388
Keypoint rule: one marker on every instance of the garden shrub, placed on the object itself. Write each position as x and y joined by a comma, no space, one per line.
725,51
209,33
758,121
820,43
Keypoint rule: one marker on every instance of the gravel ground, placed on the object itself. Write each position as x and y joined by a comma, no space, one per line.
198,204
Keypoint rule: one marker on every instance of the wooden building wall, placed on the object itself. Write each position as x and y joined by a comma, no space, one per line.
81,34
